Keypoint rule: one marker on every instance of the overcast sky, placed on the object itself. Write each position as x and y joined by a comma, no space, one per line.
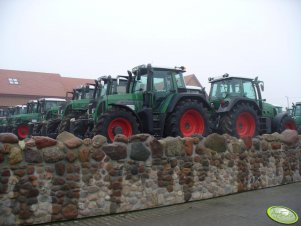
92,38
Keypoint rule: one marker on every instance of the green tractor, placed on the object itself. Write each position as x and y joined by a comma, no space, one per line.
49,117
240,111
16,122
19,123
77,106
4,113
296,114
156,102
105,85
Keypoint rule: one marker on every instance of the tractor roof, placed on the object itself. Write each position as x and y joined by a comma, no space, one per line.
143,66
105,78
52,99
226,77
298,103
32,101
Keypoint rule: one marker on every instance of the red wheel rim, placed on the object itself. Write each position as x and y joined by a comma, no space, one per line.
290,125
23,131
192,122
121,123
245,125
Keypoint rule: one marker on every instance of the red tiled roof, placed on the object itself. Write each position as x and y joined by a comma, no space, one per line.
191,80
37,83
71,83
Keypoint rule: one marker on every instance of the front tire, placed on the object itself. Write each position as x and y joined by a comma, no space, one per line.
241,121
22,131
64,125
117,121
188,118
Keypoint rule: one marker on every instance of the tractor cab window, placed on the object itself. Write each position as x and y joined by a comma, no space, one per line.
102,90
248,91
218,90
180,80
89,95
50,104
297,110
234,88
23,110
121,88
140,85
162,80
77,94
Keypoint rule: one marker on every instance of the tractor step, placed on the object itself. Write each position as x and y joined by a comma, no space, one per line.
157,128
265,125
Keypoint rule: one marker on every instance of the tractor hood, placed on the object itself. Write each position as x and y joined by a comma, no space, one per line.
79,104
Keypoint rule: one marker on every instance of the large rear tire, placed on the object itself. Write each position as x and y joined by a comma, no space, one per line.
188,118
241,121
117,121
286,122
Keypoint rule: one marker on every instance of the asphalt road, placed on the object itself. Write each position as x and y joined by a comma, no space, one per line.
244,209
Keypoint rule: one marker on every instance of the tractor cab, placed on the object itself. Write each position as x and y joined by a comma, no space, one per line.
225,89
48,110
49,107
157,85
84,92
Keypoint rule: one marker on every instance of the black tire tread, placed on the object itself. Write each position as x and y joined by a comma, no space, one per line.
172,122
228,121
101,126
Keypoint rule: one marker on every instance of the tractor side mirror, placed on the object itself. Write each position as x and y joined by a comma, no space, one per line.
262,87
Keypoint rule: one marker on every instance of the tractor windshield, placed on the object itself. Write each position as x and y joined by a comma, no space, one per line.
140,85
218,90
52,104
89,95
32,107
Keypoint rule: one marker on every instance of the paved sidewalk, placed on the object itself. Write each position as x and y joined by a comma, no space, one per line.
244,209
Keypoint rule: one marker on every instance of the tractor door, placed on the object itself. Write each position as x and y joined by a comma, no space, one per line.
162,87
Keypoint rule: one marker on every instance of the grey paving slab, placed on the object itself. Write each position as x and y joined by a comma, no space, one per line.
243,209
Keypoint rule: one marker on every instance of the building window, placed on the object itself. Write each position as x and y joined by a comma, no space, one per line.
13,81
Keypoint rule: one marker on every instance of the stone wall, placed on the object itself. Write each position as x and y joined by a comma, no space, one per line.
44,180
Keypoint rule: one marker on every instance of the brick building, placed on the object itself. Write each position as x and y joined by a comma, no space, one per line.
17,87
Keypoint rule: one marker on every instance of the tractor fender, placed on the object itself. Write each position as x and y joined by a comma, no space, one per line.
277,120
184,96
128,109
236,101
